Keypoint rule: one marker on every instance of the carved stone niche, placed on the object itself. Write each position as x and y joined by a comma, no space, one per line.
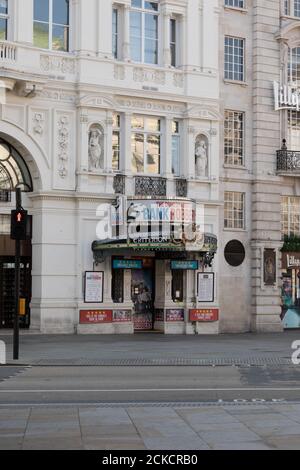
96,148
201,156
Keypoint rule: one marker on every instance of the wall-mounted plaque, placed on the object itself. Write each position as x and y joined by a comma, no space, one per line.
206,287
93,287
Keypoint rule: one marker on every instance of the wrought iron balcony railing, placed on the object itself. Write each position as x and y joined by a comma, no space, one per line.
119,184
181,188
288,161
150,186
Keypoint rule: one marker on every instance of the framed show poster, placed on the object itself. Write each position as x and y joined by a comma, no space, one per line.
206,287
269,267
93,287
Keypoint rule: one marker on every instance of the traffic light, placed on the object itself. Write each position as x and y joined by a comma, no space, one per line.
19,225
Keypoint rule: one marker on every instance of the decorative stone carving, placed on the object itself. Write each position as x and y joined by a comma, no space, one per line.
144,75
63,65
96,148
38,123
178,80
201,156
63,146
119,72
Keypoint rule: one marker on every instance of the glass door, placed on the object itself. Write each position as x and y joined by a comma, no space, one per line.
142,294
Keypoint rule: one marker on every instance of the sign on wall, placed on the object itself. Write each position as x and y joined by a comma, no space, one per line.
286,97
204,315
184,265
93,287
88,317
206,287
127,264
122,316
175,314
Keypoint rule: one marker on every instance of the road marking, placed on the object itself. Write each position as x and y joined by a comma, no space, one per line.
256,389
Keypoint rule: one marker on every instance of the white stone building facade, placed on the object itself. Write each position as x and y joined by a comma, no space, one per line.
106,102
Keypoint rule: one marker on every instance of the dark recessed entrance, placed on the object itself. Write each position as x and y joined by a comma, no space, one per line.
142,294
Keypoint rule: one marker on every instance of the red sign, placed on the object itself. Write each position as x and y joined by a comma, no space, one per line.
95,316
204,315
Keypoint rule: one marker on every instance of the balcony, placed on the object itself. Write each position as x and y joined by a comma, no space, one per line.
288,161
150,186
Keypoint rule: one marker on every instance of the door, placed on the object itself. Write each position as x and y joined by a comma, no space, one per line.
142,294
7,293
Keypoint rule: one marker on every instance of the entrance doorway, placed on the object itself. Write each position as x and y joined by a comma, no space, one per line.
142,294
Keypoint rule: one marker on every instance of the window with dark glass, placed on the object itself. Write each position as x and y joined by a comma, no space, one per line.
177,286
117,286
51,24
3,19
173,42
115,32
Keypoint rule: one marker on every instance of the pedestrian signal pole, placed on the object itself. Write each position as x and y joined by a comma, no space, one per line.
19,221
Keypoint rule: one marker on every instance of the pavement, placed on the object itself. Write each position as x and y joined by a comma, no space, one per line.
152,428
151,392
153,349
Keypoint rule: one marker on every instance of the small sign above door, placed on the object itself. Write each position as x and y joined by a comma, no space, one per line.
127,264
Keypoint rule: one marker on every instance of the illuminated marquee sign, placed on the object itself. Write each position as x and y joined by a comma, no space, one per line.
286,97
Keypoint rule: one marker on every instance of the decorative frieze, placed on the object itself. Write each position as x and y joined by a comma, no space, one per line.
150,105
178,80
63,65
153,76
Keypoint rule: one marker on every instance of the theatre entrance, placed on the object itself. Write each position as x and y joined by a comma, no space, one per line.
143,296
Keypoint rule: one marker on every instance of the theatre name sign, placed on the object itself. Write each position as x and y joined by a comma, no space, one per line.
286,97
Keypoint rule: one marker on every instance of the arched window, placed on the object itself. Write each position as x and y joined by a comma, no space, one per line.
13,170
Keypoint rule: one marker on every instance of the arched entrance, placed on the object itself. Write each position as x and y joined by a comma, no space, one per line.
13,173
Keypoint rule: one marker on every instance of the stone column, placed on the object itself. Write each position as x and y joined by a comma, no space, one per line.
166,39
126,138
126,33
22,14
166,163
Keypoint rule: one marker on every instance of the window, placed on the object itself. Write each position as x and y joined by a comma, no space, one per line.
294,66
144,31
51,24
145,143
175,148
234,210
3,19
235,3
292,7
290,216
173,42
4,224
115,32
117,286
116,143
294,130
234,138
177,286
234,58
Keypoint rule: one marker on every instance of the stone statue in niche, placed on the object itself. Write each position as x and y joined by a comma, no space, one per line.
95,149
201,156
